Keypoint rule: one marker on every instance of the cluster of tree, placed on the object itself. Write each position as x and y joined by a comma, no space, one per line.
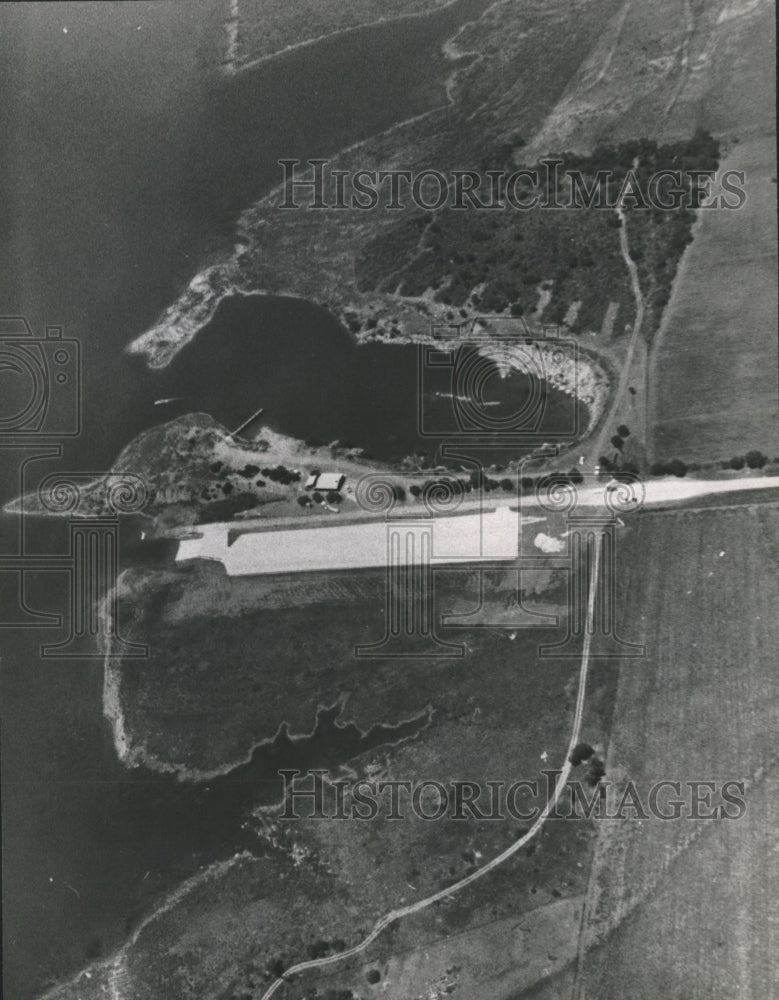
280,474
584,753
455,485
508,254
752,459
332,497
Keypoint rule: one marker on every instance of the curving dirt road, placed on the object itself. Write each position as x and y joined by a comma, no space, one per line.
405,911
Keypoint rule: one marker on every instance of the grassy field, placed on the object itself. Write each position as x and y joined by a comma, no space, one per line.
216,682
681,909
232,659
714,369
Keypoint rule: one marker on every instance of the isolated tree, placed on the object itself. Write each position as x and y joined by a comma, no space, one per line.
333,497
617,442
317,497
580,753
304,501
677,467
507,485
737,462
623,431
415,490
398,492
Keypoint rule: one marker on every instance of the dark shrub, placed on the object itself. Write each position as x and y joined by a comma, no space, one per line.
595,771
580,753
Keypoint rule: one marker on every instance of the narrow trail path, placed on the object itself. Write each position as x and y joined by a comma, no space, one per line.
598,445
535,829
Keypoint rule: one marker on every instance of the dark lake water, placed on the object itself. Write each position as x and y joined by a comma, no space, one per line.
315,383
125,161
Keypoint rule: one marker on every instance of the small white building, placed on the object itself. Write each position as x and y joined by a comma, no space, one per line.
326,481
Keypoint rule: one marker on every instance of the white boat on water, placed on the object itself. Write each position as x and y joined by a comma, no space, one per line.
467,399
168,399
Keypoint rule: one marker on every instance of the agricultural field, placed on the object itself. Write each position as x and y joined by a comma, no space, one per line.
683,908
713,380
713,375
